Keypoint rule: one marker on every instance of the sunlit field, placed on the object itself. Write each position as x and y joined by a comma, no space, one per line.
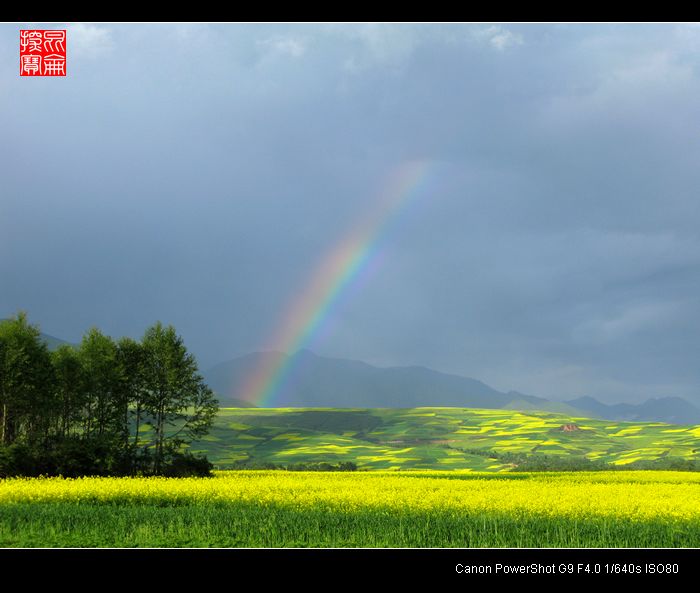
356,509
435,438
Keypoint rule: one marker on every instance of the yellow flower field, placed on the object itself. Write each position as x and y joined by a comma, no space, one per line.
384,508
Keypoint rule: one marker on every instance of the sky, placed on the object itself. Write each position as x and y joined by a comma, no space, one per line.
199,174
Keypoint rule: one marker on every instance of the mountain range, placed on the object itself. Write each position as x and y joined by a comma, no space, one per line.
319,381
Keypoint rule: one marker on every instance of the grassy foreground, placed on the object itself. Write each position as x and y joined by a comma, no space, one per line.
374,509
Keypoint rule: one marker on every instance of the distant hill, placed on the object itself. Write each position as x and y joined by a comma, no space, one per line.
674,410
53,342
319,381
334,382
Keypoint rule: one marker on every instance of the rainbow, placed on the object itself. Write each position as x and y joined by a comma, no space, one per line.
336,272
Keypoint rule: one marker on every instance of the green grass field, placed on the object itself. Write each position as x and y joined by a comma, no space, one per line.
356,509
434,438
442,477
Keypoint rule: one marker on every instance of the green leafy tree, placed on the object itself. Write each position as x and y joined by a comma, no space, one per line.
103,378
26,379
70,386
81,411
179,406
131,390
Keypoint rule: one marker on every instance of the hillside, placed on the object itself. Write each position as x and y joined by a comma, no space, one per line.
434,438
319,381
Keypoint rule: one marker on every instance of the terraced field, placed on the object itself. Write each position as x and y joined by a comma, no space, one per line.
434,438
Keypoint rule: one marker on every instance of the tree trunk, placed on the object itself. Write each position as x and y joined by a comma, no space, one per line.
138,425
159,436
88,423
4,422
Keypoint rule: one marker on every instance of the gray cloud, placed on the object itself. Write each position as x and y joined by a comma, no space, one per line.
196,173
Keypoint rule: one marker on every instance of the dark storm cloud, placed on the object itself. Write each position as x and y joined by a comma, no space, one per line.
196,173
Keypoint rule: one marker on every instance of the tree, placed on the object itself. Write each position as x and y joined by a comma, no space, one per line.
26,378
81,411
70,386
129,395
98,356
178,405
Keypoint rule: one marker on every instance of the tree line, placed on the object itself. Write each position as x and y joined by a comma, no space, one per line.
104,407
310,466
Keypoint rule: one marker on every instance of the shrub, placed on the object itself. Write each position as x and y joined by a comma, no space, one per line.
185,465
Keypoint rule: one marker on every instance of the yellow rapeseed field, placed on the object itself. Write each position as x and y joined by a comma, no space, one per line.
639,495
376,509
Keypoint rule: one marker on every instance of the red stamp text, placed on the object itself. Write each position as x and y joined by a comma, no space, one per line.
42,52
